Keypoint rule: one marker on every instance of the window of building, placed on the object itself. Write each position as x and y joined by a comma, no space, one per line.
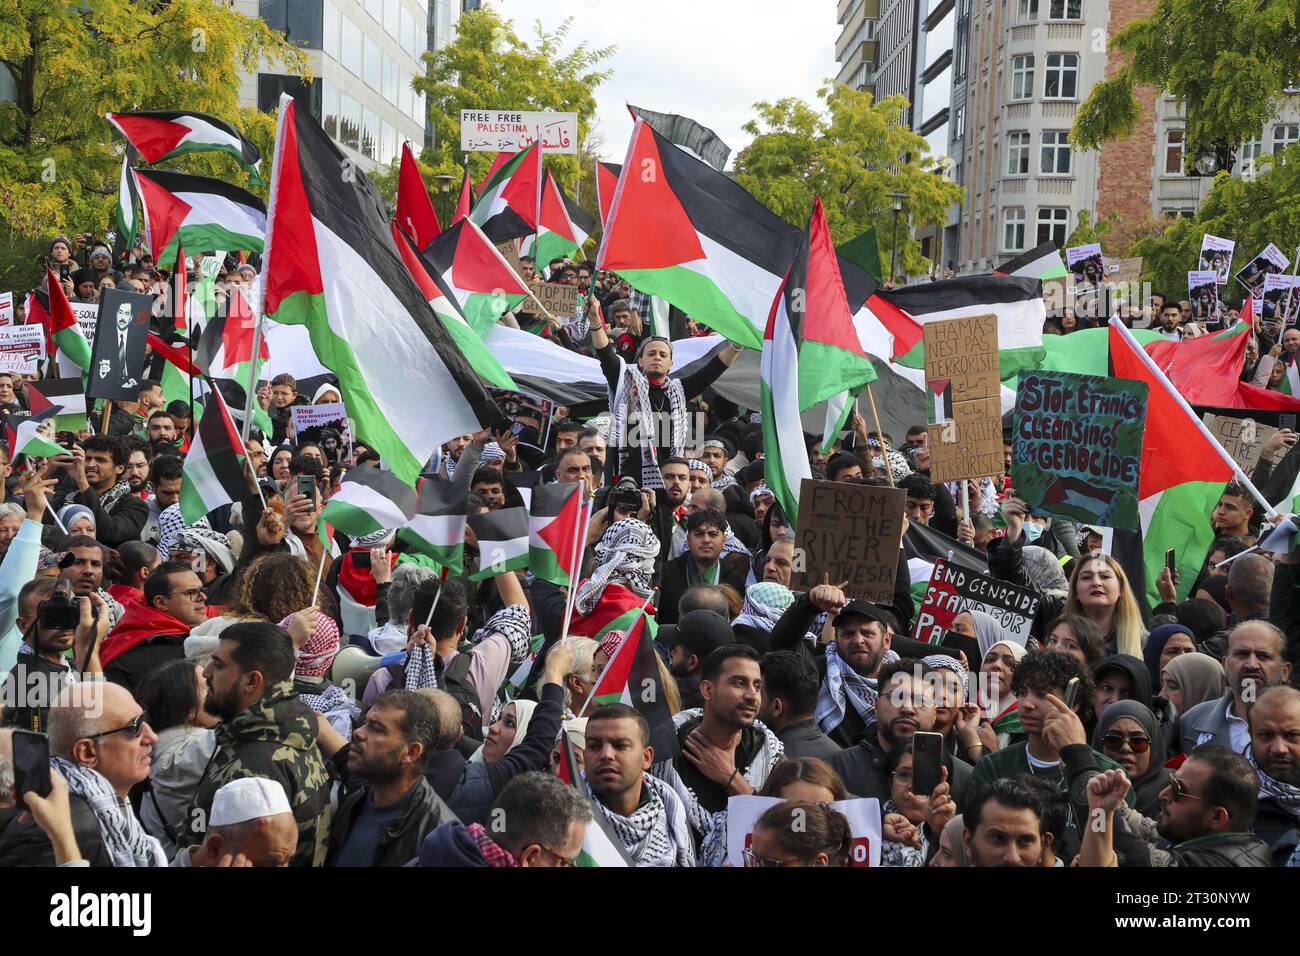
1251,151
1013,230
330,109
1053,224
1174,152
330,30
387,142
1284,134
404,92
373,65
959,123
1022,77
1067,10
1056,158
1026,10
271,85
298,20
1178,213
417,106
1062,76
391,20
408,34
376,9
349,122
351,41
370,134
959,56
390,80
1017,154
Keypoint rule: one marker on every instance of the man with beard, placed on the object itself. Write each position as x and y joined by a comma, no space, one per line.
136,473
83,565
645,814
725,750
1254,661
702,563
1003,826
267,731
1275,754
660,508
153,631
96,468
384,821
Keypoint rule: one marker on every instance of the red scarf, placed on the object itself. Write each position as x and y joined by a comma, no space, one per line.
358,582
139,623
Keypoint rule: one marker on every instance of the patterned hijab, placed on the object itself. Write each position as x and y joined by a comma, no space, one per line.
765,602
316,656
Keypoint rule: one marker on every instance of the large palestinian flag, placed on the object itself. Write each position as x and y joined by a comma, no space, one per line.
1183,471
502,538
435,290
214,465
1043,262
474,271
437,528
632,677
369,500
225,355
563,226
330,265
554,527
198,212
23,436
606,183
415,213
810,353
160,135
62,330
508,202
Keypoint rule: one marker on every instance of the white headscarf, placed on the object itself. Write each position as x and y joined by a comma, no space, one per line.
523,714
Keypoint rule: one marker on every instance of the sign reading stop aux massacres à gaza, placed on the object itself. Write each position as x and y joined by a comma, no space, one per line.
513,131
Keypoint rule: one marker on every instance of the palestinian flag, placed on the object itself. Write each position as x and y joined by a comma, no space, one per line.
415,213
564,225
1183,471
225,355
606,182
438,525
1016,302
600,845
330,265
632,677
1008,722
445,308
160,135
864,251
697,239
179,304
197,211
923,546
810,353
554,525
686,133
508,202
177,370
475,273
465,201
370,500
61,324
543,369
23,437
517,682
127,200
617,610
214,465
1043,262
502,538
67,398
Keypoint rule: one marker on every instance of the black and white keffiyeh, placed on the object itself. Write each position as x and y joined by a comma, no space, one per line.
627,552
125,840
516,624
656,834
421,672
843,687
1284,795
108,499
634,380
723,483
765,602
336,706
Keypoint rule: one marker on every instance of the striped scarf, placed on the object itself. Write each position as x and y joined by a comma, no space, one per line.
1284,795
844,686
125,840
620,411
656,833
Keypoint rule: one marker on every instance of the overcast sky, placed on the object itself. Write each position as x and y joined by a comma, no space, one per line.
708,59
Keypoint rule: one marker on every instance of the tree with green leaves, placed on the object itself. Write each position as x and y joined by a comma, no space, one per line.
854,153
1226,60
489,66
71,64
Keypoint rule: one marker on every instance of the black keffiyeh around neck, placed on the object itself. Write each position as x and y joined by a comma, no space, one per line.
1284,795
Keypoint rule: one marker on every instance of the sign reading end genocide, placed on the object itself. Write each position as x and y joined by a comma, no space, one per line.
1077,446
954,589
851,532
961,372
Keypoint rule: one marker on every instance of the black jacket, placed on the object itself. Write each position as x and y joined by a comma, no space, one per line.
1278,829
805,739
863,768
400,841
1228,849
130,667
28,691
25,843
673,583
443,769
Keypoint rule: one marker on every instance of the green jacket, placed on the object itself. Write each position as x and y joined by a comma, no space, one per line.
1014,762
273,738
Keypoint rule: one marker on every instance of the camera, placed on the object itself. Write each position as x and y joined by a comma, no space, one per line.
61,610
625,497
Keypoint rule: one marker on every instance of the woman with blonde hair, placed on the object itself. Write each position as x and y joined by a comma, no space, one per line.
1099,590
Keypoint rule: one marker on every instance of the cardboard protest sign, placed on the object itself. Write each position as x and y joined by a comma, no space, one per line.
1276,301
1203,292
1271,261
87,314
325,424
510,252
1086,263
21,347
954,589
560,300
961,370
1216,257
851,532
1077,446
1243,439
117,360
1125,270
6,308
863,815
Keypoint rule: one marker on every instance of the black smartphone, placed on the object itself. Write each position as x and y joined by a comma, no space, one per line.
1171,563
31,764
307,486
1286,421
927,758
1071,692
361,559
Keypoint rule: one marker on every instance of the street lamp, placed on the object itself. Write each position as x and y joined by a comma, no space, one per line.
444,181
893,248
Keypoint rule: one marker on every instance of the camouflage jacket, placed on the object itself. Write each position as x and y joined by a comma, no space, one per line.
273,738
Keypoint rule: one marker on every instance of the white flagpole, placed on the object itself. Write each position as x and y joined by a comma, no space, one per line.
1160,376
320,571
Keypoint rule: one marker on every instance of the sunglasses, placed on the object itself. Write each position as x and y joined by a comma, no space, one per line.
1178,790
132,729
1115,743
752,859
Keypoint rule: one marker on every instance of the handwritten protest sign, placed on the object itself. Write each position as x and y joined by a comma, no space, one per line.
961,370
560,300
1077,446
87,314
21,347
852,533
863,815
954,589
6,308
510,252
1243,439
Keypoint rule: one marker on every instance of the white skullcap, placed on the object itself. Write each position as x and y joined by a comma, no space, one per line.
247,799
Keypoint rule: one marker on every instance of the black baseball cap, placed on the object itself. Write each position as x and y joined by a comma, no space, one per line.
702,632
872,612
